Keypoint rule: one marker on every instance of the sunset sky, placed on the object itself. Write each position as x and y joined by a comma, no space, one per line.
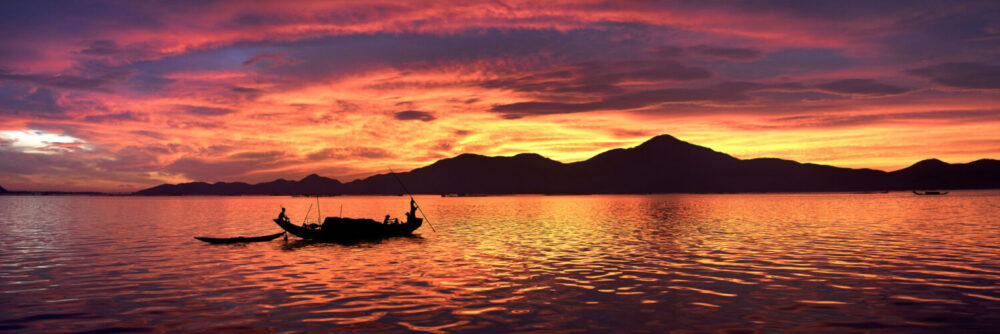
120,96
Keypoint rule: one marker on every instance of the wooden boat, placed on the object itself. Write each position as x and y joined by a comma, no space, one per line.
240,239
350,229
339,229
930,193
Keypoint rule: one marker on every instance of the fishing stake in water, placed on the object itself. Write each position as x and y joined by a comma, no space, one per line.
411,198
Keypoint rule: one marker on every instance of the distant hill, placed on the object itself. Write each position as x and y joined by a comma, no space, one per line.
662,164
2,190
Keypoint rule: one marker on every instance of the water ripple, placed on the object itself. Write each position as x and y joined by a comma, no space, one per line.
702,263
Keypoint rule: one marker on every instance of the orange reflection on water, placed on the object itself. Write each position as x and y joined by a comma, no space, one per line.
508,263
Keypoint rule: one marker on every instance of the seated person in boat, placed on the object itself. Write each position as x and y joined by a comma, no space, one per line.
282,216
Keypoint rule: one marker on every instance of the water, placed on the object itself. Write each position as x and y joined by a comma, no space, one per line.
781,262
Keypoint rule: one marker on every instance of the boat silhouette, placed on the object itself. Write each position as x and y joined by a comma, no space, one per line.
350,229
930,193
340,229
240,239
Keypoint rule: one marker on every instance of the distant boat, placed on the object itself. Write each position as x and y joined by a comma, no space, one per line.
240,239
930,193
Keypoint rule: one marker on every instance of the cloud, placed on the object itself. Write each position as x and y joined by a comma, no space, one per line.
109,53
725,92
600,77
40,103
101,48
234,167
99,83
729,53
827,120
274,58
968,75
133,159
150,134
861,87
114,117
669,51
349,153
42,142
415,115
204,111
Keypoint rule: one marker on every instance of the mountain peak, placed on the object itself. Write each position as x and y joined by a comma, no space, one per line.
662,140
931,162
312,177
2,190
928,163
531,156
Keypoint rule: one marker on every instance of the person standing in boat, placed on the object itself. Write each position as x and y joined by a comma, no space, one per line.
413,211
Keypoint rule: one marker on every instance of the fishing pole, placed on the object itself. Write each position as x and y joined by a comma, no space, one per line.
411,198
307,214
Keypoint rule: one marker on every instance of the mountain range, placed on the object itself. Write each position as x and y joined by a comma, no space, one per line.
662,164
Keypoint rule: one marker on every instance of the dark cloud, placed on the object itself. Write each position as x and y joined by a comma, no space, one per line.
246,90
415,115
132,159
114,117
273,58
234,167
150,134
204,111
861,87
708,51
41,103
349,153
193,124
101,48
729,53
859,120
98,83
264,155
109,53
600,77
669,51
969,75
796,61
726,92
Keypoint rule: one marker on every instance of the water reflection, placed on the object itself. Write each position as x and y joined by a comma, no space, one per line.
797,262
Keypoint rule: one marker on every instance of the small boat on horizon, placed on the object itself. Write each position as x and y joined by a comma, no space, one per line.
930,193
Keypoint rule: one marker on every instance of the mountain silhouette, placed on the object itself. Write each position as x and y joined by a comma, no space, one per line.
663,164
2,190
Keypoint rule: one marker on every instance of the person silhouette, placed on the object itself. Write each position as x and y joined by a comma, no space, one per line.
282,216
413,210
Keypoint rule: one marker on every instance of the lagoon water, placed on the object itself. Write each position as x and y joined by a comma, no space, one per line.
639,263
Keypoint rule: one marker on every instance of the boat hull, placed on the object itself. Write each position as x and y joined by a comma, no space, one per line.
240,239
930,193
350,229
